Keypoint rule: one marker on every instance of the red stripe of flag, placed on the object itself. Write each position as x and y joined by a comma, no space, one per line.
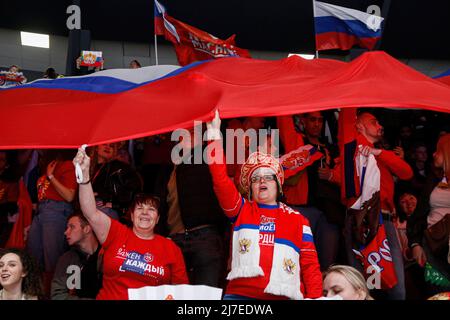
343,41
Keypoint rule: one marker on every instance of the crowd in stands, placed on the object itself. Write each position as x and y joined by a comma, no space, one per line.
258,230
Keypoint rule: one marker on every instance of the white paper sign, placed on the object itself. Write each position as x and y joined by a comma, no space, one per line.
175,292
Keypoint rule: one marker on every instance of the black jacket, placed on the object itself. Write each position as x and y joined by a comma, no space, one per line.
417,222
116,182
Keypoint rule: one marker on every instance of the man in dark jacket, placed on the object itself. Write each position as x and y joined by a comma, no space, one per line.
77,274
195,220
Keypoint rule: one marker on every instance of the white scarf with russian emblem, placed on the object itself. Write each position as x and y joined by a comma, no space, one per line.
285,272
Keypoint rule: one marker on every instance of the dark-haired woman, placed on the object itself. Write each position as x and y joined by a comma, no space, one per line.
19,276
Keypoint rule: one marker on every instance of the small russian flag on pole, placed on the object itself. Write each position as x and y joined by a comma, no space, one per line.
339,27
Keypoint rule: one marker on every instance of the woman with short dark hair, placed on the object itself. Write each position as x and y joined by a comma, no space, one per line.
133,257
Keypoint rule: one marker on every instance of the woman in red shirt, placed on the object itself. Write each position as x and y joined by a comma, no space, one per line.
136,257
56,190
273,254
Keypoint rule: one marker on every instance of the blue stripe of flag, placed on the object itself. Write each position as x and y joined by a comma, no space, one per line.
156,13
445,74
98,84
351,27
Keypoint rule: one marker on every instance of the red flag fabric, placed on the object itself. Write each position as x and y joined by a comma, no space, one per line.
101,108
371,245
376,257
192,44
445,80
16,239
196,45
299,159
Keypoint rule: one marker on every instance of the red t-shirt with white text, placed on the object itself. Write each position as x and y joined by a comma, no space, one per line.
132,262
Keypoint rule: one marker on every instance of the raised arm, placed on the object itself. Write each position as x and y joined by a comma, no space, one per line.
67,193
98,220
289,137
397,166
229,197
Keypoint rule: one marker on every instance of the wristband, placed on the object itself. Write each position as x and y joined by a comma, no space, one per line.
50,177
87,182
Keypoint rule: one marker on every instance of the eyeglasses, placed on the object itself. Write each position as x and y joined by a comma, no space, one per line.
267,177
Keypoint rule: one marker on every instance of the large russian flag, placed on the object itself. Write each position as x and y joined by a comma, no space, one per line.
121,104
339,27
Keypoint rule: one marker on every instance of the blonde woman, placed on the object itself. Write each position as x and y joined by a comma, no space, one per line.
346,282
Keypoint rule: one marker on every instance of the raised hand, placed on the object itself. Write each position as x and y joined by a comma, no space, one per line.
366,150
83,160
419,255
399,152
51,168
213,128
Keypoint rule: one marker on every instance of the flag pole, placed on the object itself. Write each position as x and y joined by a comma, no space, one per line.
314,16
156,49
155,10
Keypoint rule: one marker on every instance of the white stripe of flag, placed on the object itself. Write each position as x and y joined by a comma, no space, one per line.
323,9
